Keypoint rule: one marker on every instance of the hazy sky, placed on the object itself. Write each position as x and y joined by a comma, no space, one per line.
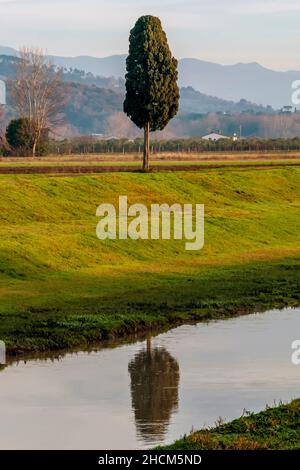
224,31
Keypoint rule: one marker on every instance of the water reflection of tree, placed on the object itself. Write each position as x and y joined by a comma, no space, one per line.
154,377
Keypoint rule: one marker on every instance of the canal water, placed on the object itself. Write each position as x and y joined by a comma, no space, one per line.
151,392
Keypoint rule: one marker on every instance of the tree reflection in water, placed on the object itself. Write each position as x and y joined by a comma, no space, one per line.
154,377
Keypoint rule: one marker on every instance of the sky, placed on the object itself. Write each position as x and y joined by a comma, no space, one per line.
223,31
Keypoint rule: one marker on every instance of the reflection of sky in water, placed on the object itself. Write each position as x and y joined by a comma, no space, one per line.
84,400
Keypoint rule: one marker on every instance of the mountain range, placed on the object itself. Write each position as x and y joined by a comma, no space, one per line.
250,81
94,104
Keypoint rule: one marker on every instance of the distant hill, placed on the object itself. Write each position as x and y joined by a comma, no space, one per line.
8,69
95,103
91,100
249,81
113,66
8,51
192,101
99,96
89,108
233,82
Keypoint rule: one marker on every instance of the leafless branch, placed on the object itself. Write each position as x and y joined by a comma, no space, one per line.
38,93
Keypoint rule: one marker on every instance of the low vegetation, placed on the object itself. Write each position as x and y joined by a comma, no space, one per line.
275,428
176,148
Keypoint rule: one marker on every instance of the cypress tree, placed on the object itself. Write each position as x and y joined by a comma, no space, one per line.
152,94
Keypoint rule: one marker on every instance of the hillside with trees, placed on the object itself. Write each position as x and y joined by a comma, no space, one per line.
94,105
193,101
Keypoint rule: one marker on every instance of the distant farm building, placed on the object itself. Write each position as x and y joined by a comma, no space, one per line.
214,136
97,136
103,137
288,110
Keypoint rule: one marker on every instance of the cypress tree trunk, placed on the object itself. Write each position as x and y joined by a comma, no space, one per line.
149,345
146,147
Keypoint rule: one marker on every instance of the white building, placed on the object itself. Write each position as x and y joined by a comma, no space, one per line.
103,137
214,136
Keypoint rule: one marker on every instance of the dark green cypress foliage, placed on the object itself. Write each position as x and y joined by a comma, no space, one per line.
152,94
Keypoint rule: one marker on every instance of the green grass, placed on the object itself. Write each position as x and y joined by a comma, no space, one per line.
135,161
61,287
275,428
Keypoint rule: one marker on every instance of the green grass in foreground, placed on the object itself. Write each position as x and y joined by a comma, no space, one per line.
61,287
274,428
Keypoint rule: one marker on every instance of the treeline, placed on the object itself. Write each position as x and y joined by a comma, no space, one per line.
85,146
195,145
276,126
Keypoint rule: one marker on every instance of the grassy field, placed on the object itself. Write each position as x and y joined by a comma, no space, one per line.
61,287
137,163
135,159
275,428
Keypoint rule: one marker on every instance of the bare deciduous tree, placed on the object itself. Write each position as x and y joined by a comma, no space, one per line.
3,143
38,93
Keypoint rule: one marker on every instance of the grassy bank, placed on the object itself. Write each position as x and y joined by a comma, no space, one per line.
62,287
275,428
